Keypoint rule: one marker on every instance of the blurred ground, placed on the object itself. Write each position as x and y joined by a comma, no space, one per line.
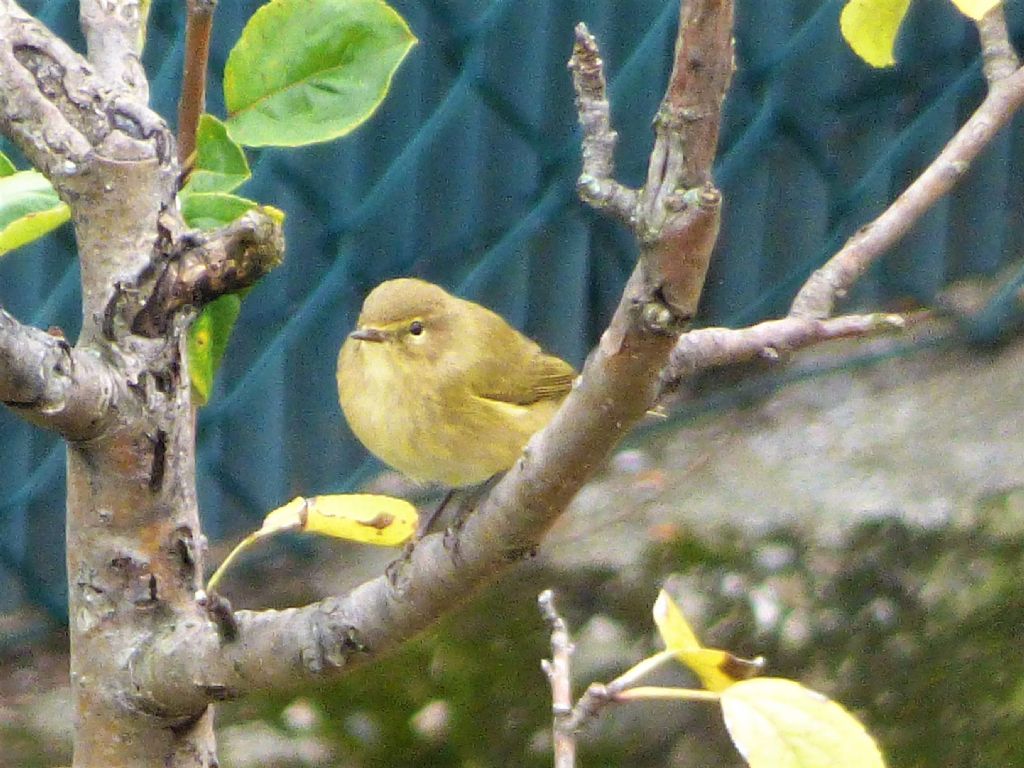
864,530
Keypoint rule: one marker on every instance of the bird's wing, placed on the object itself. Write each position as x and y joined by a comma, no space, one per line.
539,377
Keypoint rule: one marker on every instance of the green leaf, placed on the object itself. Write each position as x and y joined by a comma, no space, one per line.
777,723
306,71
870,27
209,210
220,164
6,166
207,340
975,9
29,208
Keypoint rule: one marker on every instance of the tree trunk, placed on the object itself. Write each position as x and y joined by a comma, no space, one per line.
134,548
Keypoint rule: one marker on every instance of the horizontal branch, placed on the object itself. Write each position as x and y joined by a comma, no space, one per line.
205,265
48,383
817,297
711,347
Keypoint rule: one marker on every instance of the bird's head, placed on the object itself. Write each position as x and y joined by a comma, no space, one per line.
406,318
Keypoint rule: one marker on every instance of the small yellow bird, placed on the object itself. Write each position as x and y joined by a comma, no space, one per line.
442,389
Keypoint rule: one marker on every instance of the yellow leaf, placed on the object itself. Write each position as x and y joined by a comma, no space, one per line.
362,517
716,669
975,8
672,625
870,27
285,518
776,722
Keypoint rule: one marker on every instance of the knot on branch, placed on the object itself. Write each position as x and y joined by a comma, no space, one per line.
115,126
201,266
678,238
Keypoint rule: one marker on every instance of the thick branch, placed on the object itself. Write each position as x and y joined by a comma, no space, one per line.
185,669
24,110
52,385
689,119
596,185
193,81
205,265
61,114
113,37
710,347
818,295
678,214
182,671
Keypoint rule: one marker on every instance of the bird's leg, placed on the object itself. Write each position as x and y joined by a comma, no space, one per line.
427,521
466,506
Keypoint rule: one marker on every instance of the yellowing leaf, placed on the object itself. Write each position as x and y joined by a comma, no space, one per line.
362,517
207,342
716,669
672,625
778,723
870,27
975,8
289,517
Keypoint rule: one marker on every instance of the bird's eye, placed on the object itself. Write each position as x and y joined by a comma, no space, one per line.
415,327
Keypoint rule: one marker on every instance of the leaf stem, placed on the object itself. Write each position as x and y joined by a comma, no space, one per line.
649,692
244,544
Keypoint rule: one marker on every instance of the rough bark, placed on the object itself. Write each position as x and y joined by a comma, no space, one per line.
190,665
147,659
120,398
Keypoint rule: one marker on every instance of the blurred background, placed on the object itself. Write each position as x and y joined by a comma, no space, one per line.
857,516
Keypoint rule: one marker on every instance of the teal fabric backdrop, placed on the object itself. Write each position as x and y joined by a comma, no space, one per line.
466,177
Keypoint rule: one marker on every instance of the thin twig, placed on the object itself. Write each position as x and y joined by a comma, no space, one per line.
596,185
999,59
831,282
193,80
650,692
599,695
557,671
709,347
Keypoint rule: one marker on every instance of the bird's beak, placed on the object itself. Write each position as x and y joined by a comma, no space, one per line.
368,334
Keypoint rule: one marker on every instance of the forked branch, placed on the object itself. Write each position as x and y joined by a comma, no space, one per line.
188,667
817,297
